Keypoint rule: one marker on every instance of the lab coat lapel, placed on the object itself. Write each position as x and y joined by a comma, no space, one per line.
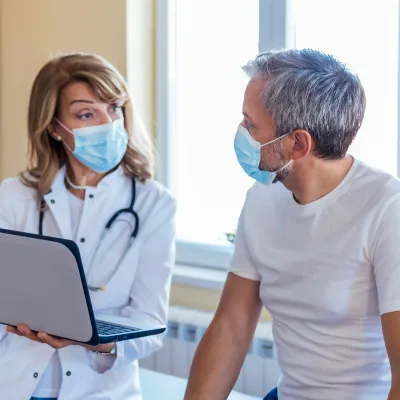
57,202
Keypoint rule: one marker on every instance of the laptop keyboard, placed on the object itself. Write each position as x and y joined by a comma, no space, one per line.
108,328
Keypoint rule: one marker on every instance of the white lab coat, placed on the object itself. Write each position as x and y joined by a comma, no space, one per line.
140,285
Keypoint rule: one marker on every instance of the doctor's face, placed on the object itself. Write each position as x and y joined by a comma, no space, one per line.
258,121
79,106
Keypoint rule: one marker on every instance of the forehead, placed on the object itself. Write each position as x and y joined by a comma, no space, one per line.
78,91
253,97
253,104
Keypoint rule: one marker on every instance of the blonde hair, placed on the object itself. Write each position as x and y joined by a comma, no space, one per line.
47,155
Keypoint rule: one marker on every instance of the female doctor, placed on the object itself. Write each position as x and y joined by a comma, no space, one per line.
86,162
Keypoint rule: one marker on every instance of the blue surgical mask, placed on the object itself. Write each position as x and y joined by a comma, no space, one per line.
248,153
100,147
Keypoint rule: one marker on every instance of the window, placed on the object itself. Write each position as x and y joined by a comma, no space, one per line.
201,47
209,92
364,35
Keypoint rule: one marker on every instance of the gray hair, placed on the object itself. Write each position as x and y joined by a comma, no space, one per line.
308,89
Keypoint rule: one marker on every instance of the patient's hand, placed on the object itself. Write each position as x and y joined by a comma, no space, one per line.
56,343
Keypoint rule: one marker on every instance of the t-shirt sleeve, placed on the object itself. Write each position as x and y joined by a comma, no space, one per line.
241,263
386,258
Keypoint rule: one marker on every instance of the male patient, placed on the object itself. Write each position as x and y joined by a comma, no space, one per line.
318,242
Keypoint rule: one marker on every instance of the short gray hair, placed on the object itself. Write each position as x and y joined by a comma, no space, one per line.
311,90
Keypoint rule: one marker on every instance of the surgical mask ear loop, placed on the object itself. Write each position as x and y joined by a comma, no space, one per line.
58,137
54,133
275,140
67,129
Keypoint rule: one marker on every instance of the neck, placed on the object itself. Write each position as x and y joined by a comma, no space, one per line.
314,178
80,177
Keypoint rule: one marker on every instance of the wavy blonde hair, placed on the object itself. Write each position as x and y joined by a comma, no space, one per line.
47,155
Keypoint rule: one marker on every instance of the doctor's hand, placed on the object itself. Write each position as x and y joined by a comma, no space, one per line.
56,343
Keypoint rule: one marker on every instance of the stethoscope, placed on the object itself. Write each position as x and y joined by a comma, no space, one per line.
113,218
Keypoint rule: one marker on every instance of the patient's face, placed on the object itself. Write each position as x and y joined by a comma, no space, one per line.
258,121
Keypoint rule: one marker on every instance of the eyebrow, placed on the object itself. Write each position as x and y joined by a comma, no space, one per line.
81,101
247,116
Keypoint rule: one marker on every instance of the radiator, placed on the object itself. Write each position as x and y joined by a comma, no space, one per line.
186,327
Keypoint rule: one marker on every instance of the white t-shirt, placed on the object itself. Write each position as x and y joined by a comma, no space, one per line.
50,383
327,271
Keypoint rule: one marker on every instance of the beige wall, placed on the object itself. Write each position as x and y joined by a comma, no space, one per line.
31,31
204,299
141,59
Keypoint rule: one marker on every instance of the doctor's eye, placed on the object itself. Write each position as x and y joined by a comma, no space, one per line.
85,117
115,108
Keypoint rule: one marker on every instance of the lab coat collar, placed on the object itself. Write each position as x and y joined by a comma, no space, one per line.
57,199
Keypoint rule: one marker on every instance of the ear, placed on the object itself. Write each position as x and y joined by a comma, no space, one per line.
52,131
301,144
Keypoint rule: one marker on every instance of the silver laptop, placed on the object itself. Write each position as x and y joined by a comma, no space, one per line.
42,284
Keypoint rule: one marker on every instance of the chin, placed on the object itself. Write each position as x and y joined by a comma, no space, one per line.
283,176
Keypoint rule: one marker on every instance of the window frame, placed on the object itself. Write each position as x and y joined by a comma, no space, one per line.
276,30
398,98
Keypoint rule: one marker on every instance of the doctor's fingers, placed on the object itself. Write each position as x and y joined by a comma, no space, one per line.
25,331
11,329
54,342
